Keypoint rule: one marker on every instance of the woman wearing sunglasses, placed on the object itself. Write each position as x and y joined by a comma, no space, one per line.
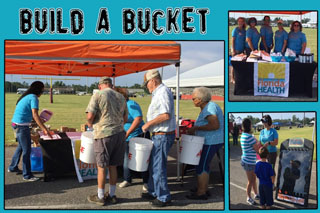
252,36
297,39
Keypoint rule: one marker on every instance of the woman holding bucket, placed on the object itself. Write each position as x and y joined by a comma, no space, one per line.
133,129
27,108
210,125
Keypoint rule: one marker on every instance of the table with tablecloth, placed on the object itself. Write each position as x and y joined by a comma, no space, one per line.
61,157
300,78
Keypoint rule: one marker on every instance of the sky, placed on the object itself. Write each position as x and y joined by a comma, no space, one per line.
284,115
312,16
193,54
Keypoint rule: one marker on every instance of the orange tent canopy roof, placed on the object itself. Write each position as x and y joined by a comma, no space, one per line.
274,12
88,58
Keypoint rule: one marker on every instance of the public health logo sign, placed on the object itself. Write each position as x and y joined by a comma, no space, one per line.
271,79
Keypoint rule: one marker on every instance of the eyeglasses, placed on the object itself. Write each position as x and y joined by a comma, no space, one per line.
296,25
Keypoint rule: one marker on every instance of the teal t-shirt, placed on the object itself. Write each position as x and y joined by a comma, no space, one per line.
295,41
215,136
279,38
269,135
254,35
134,111
23,111
267,32
240,38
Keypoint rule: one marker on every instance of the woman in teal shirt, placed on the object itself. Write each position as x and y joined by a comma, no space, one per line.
26,109
269,138
210,125
238,41
281,39
297,39
266,33
133,129
252,36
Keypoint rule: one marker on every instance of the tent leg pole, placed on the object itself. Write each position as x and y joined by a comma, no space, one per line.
177,121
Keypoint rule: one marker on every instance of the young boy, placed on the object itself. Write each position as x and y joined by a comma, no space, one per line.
266,177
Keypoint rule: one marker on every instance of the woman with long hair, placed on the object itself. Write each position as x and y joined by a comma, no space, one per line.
280,39
238,40
297,39
249,148
26,108
252,36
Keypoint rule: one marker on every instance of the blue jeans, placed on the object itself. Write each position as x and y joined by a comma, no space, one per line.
24,149
127,172
158,180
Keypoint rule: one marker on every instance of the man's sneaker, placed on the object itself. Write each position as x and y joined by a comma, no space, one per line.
158,203
31,179
16,170
95,199
251,201
147,196
124,184
145,187
257,197
113,199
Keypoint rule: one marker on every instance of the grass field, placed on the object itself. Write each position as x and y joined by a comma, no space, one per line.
285,133
69,110
311,35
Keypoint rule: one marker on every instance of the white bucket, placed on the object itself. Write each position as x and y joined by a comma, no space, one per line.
190,149
86,150
139,154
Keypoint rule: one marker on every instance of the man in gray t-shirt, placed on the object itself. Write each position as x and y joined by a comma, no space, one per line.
107,113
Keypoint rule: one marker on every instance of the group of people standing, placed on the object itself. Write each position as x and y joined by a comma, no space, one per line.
264,169
247,40
115,119
110,108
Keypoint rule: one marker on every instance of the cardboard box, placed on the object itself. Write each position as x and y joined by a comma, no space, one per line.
83,127
64,129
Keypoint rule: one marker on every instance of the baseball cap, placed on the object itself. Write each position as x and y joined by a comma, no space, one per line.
150,75
105,80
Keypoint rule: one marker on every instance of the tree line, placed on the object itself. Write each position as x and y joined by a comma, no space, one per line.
286,23
14,86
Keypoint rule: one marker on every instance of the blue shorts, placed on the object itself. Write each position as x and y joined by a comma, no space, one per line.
208,152
266,195
248,167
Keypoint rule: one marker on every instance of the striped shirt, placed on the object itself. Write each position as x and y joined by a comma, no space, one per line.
248,153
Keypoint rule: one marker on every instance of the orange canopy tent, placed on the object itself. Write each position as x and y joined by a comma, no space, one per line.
88,58
274,12
92,59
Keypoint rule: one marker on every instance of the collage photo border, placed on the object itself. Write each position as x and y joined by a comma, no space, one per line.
229,107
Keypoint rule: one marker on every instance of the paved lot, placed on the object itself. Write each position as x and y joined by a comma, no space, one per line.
238,182
67,193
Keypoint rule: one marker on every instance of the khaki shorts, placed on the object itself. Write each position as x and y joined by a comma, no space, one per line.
110,150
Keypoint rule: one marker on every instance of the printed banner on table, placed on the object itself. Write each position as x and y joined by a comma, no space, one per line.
271,79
